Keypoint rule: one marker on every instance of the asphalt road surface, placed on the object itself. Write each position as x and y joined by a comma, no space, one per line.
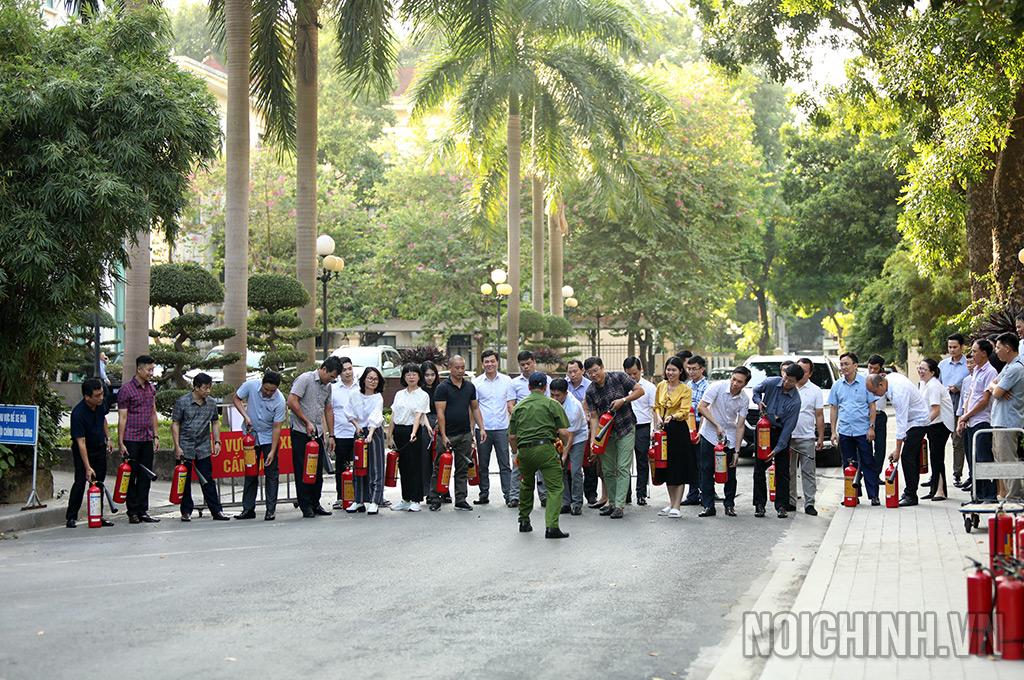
430,595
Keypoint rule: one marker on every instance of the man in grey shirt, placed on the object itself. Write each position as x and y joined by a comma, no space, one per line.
191,419
311,417
1008,408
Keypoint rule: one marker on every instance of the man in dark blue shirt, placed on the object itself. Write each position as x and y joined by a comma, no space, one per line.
779,399
90,445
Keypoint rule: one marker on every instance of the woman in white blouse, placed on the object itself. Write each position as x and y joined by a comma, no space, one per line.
940,425
365,410
408,414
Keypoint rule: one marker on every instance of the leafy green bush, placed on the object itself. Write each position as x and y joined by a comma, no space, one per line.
275,297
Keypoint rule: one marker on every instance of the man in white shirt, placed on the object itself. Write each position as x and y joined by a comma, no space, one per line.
496,397
912,417
976,414
643,410
572,493
805,442
521,384
723,410
344,431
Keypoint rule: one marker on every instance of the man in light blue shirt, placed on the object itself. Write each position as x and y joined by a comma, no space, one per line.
264,413
952,373
496,397
854,409
1008,408
572,490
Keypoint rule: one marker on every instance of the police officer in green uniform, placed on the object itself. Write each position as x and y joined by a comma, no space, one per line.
535,423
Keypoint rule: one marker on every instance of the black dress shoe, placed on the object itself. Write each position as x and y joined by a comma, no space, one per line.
875,501
268,517
318,510
71,524
246,514
446,498
783,514
106,523
576,510
134,519
606,510
555,533
435,506
146,518
641,500
463,505
565,510
926,485
307,513
483,500
525,527
791,508
811,511
730,511
220,517
186,518
514,503
907,501
616,513
707,512
759,511
927,496
690,502
595,504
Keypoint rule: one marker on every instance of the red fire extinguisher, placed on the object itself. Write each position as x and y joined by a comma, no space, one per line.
348,489
444,472
124,476
359,462
661,449
604,427
721,464
892,486
850,492
391,469
178,482
249,454
312,459
95,506
924,456
1010,618
979,610
691,421
771,482
1000,539
433,448
764,438
474,470
1020,538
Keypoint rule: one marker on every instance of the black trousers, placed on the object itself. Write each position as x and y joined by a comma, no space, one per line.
938,435
410,461
139,453
98,463
641,446
590,476
781,461
344,450
910,457
706,464
210,495
271,476
308,495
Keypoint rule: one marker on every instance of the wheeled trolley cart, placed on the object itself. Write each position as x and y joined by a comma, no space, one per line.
973,509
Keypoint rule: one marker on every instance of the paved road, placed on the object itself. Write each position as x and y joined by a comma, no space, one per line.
423,595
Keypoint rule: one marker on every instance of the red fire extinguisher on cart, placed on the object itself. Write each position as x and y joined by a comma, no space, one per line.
249,454
691,421
771,482
892,486
311,461
391,469
444,472
604,427
764,437
178,481
1000,538
979,610
359,463
850,487
124,477
661,449
721,464
348,489
95,506
1010,617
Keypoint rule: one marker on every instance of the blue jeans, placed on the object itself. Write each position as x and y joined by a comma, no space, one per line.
986,488
572,487
497,440
860,450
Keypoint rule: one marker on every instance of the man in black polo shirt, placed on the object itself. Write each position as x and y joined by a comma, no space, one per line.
457,408
91,445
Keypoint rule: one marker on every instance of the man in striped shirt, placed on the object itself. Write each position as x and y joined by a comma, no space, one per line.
695,368
137,436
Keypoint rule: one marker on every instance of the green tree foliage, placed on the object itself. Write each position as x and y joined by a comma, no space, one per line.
275,297
192,36
98,133
79,354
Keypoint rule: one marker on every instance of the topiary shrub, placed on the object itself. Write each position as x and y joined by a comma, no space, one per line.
417,355
275,297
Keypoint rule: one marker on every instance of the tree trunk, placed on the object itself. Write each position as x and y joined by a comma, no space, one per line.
136,304
306,54
515,138
1008,193
762,318
980,222
556,264
238,28
538,245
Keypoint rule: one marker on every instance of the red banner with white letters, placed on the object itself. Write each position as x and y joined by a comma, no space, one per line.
231,461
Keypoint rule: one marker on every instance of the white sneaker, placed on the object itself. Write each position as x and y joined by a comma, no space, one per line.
371,508
414,507
404,505
354,507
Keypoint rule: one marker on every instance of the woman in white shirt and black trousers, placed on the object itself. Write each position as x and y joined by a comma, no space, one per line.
939,427
408,415
365,410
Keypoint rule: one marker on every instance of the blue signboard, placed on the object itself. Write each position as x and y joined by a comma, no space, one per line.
19,424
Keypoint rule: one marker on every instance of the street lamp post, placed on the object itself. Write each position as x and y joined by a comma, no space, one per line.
330,267
501,290
569,301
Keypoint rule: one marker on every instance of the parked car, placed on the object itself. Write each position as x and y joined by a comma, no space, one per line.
382,357
824,374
